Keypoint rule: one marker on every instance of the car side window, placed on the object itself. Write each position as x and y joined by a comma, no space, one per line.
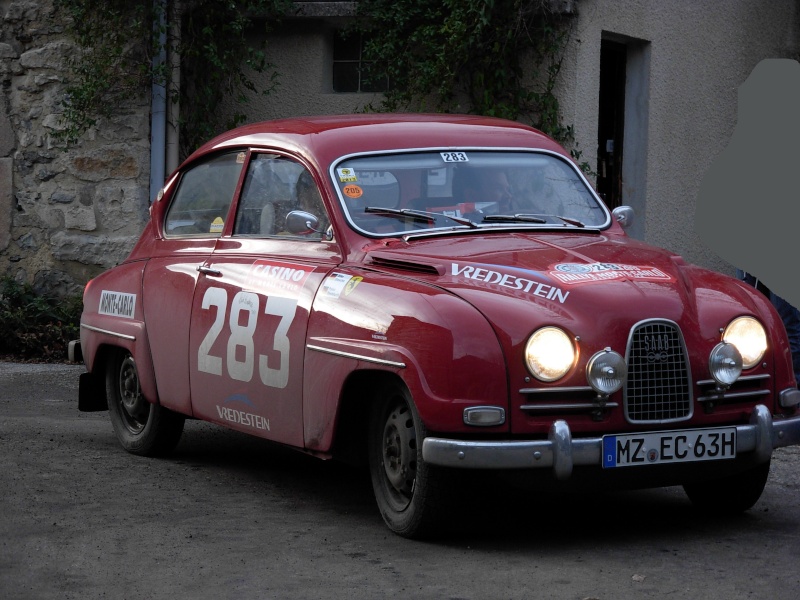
203,197
274,187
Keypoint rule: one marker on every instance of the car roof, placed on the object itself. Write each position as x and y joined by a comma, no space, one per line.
325,138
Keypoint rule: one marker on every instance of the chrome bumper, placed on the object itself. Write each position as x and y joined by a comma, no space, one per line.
560,452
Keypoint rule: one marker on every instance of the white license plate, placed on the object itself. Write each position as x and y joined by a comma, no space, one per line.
663,447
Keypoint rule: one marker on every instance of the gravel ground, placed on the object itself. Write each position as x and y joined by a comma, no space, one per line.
229,516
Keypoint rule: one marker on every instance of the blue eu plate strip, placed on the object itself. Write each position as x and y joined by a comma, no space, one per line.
609,451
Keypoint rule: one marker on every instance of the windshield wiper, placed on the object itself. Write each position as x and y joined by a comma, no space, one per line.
523,218
570,221
514,219
419,215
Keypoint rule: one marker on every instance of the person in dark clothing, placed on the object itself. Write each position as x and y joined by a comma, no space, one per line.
788,313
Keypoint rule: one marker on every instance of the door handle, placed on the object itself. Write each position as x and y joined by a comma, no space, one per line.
209,271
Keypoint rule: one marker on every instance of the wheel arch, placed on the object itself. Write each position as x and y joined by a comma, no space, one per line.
103,350
356,403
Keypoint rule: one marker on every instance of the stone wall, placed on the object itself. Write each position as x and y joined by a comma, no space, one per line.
66,214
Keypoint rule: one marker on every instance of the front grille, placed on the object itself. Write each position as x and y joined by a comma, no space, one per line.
658,388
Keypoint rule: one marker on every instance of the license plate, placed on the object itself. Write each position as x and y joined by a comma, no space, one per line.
662,447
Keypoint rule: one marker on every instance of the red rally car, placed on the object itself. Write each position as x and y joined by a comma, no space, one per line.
433,293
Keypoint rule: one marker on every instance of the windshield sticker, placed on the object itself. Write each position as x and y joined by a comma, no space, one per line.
353,191
117,304
571,273
336,283
273,275
508,280
347,175
216,225
454,157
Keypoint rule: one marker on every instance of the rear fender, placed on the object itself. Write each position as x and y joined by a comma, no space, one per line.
113,319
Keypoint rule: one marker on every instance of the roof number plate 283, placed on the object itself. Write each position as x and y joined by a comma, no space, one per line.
454,157
669,447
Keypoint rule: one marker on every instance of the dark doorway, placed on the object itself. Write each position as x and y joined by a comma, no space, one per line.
610,131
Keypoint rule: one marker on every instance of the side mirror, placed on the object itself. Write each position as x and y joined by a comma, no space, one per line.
300,222
623,215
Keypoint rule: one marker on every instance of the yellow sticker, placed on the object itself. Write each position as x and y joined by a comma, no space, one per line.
347,175
240,157
217,225
351,285
353,191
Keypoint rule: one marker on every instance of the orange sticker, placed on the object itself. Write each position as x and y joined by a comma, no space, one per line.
353,191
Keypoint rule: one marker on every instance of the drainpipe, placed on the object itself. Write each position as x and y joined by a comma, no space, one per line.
158,106
173,105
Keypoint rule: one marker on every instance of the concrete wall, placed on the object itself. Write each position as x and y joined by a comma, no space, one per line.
686,61
302,52
66,215
694,56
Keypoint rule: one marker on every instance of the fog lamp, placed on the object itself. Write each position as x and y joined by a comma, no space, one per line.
606,372
725,364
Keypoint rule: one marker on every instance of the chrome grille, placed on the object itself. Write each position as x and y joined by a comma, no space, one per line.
658,388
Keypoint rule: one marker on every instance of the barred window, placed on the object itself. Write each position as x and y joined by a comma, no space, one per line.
351,73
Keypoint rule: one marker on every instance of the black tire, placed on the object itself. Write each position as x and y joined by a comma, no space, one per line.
730,495
409,492
141,427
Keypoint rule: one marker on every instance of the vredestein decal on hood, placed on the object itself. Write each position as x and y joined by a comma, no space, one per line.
525,281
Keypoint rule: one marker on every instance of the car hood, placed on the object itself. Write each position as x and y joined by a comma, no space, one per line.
584,282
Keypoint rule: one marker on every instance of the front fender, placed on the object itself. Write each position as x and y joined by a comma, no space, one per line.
439,345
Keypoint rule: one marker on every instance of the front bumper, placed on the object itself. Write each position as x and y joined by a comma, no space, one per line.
560,452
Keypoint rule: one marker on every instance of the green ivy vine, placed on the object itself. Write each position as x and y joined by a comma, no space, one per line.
117,41
490,57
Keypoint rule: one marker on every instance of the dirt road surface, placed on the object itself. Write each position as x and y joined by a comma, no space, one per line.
228,516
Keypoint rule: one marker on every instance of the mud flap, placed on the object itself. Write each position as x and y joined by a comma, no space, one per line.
92,393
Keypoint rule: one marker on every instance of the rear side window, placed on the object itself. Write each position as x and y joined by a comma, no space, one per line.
204,196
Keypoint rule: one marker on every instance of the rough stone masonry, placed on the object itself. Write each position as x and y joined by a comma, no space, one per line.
66,214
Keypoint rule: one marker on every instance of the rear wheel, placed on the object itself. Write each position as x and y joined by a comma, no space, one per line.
409,492
729,495
141,427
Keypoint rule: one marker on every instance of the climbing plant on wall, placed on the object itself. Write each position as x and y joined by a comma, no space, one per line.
489,57
117,41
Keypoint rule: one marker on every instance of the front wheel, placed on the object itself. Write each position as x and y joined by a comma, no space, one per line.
729,495
141,427
409,492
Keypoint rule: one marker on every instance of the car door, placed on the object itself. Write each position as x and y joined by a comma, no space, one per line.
252,302
192,224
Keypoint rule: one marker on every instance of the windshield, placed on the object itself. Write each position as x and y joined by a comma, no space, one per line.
415,192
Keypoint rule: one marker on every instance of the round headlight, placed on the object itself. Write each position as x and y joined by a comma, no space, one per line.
549,353
606,372
750,339
725,364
